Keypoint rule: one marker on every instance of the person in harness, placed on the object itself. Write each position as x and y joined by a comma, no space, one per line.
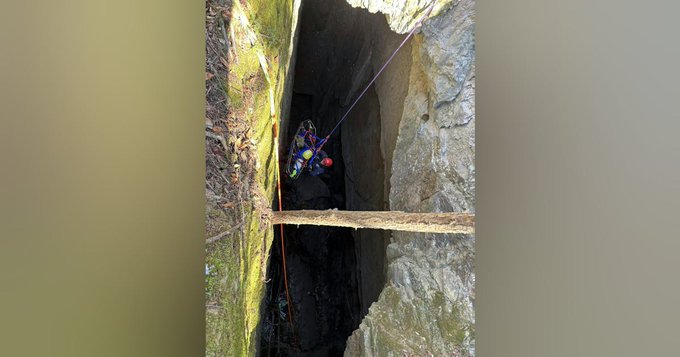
320,164
306,152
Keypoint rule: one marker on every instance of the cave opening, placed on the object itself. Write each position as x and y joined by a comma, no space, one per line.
334,274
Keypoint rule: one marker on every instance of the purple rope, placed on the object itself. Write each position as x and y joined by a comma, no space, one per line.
381,70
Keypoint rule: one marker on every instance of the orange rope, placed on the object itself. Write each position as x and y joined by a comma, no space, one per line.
283,242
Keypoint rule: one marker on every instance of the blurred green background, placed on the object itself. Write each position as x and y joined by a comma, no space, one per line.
101,221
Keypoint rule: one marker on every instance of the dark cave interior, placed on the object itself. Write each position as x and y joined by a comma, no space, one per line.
330,287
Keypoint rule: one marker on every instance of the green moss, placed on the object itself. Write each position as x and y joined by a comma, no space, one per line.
432,325
221,337
236,281
448,323
272,23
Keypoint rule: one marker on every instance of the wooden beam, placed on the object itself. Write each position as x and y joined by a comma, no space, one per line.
391,220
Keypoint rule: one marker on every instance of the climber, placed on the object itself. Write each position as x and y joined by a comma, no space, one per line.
305,152
320,164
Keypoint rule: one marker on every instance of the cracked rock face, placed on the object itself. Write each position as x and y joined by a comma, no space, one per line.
401,15
427,306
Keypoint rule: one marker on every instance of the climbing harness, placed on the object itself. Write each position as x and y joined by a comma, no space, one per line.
303,149
296,162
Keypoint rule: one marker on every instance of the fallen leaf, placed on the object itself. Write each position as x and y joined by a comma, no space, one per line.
217,129
208,75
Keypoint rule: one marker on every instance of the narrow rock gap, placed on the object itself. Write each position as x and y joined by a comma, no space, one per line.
334,274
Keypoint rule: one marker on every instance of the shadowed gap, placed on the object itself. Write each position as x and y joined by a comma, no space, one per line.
333,273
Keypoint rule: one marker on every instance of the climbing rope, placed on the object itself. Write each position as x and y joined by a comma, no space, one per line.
278,191
410,34
283,241
316,149
321,142
239,13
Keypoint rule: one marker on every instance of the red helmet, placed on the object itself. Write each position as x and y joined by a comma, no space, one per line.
328,162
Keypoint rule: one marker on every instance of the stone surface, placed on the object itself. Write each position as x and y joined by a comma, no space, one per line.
401,15
427,306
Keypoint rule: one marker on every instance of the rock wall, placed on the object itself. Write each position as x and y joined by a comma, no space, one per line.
408,145
427,305
373,127
401,15
250,50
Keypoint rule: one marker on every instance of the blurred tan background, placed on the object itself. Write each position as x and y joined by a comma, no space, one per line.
577,157
102,172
